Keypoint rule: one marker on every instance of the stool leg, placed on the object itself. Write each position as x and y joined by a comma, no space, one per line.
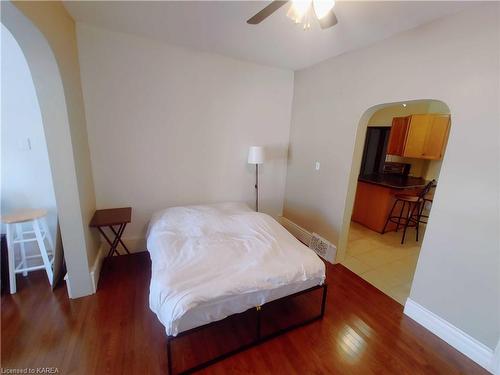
411,213
389,217
407,221
401,214
419,213
43,250
12,263
20,234
421,210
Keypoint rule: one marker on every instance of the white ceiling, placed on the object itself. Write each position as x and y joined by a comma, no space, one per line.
220,27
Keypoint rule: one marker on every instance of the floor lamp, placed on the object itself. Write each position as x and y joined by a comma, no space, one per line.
256,156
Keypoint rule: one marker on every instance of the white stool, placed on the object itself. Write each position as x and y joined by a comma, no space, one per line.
16,235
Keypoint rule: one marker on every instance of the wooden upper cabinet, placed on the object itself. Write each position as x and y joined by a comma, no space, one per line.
397,137
436,137
419,136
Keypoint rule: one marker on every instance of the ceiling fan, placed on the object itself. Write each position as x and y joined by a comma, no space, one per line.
301,12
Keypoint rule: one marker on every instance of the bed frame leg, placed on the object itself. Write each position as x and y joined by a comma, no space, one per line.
169,356
323,301
258,308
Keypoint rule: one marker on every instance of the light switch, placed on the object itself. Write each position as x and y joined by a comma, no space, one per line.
24,144
317,165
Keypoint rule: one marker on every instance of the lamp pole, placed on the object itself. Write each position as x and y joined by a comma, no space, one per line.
257,187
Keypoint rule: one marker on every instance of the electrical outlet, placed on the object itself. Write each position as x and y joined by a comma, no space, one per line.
317,166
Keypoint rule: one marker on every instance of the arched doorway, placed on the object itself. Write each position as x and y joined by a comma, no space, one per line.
26,182
369,245
51,97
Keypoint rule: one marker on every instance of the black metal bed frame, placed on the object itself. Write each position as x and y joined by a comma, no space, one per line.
259,338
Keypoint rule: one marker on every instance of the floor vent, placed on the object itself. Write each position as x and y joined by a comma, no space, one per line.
323,248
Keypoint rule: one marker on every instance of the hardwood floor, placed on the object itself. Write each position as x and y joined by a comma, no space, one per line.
114,332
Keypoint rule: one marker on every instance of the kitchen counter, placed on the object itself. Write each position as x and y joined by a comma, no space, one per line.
394,181
375,196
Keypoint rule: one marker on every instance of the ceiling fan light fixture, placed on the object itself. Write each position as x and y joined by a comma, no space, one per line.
322,8
301,12
298,10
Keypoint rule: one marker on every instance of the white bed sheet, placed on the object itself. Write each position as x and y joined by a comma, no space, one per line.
209,262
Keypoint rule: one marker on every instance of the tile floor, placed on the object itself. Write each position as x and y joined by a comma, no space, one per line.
381,260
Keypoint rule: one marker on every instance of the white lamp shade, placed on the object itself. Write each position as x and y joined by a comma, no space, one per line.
256,155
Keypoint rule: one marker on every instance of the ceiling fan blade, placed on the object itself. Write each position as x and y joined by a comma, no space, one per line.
329,20
266,12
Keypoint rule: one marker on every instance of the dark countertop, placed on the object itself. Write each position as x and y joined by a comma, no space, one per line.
394,181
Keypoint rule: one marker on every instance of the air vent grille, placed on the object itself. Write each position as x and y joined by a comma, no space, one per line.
323,248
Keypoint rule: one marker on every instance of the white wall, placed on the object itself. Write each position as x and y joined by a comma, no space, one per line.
456,60
26,177
170,126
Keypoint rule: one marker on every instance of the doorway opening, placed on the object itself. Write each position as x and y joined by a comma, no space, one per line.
400,160
43,59
28,202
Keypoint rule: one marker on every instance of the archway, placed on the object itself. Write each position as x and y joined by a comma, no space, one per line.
51,97
370,190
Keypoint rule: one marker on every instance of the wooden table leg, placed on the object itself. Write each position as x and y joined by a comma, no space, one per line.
120,239
105,236
117,240
112,244
113,249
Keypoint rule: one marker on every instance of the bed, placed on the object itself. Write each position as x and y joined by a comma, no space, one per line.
212,261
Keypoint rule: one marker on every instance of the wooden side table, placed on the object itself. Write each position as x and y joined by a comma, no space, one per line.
110,218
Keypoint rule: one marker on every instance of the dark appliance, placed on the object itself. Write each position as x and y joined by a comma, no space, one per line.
375,150
399,169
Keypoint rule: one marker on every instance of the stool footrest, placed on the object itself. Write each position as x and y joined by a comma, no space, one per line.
33,268
21,267
49,253
396,220
32,239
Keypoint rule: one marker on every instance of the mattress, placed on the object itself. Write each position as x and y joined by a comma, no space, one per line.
212,261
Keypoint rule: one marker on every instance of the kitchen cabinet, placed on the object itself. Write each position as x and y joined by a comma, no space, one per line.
371,205
419,136
397,137
436,137
416,136
374,201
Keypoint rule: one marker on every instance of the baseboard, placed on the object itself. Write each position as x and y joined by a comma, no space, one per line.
296,230
95,271
467,345
496,360
68,286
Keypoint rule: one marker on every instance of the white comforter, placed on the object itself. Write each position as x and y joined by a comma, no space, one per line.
202,254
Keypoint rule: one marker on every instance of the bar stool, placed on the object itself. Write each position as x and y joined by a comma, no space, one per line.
16,235
414,204
427,200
